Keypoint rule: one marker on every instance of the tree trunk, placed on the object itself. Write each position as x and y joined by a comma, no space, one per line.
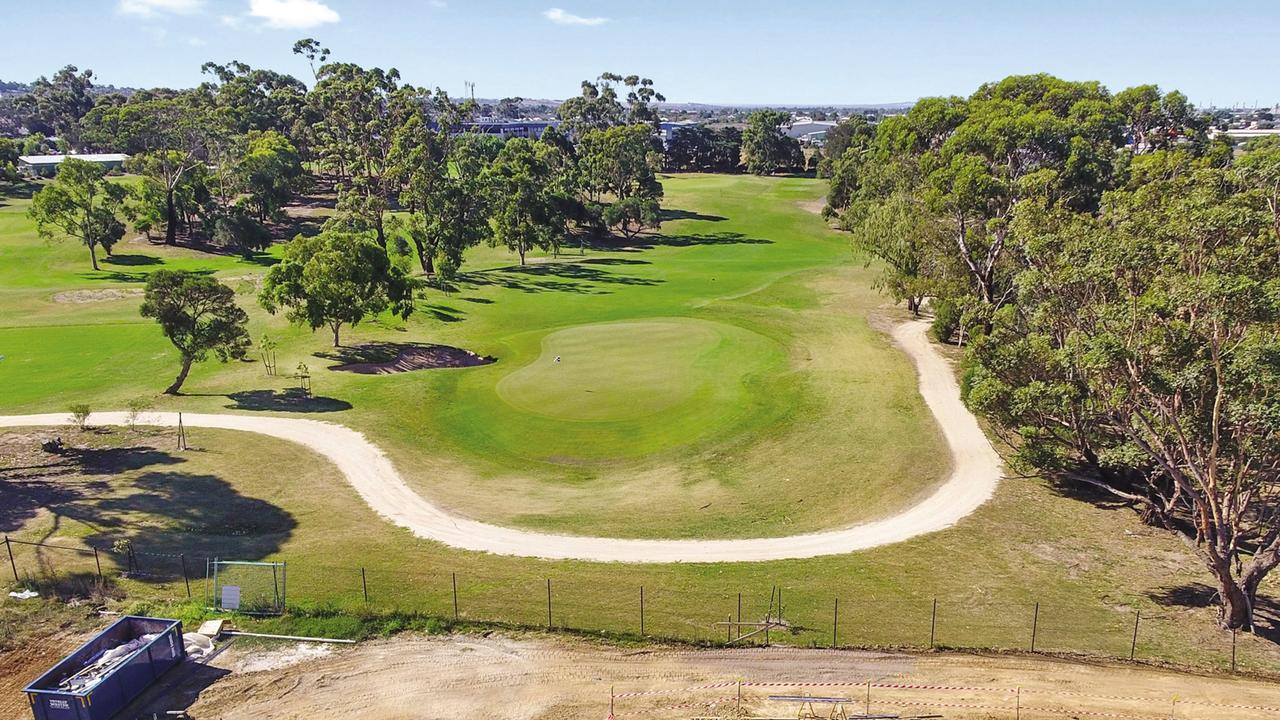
1237,606
93,257
182,377
521,248
336,327
171,219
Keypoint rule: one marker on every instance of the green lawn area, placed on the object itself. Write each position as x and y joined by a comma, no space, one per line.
737,390
710,377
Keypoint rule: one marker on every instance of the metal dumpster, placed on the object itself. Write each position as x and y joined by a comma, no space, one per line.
106,673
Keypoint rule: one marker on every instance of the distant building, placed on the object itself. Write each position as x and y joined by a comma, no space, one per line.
47,165
667,130
504,129
807,130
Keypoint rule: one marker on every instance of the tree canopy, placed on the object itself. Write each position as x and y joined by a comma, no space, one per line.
199,315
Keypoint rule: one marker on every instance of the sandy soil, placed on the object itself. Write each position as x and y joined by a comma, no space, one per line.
546,678
80,297
976,469
426,357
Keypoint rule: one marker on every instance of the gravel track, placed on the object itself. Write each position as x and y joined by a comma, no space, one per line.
976,470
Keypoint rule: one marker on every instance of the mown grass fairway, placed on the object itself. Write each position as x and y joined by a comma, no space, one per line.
717,380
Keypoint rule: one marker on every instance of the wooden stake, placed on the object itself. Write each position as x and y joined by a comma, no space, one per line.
8,546
1035,622
548,603
641,611
1133,649
835,624
933,623
364,585
455,595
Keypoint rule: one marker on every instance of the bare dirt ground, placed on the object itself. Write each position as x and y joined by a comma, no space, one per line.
80,297
536,678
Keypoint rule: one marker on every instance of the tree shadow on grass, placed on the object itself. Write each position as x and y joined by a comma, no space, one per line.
443,313
132,260
571,277
288,400
61,483
614,243
17,191
669,214
1200,595
164,514
123,276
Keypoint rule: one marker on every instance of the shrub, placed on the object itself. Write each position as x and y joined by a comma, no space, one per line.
946,320
80,415
136,407
239,232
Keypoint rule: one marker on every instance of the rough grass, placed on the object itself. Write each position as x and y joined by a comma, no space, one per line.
1090,568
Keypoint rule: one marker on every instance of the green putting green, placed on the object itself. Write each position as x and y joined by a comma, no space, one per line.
628,370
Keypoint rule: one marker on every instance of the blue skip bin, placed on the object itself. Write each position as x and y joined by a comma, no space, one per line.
106,673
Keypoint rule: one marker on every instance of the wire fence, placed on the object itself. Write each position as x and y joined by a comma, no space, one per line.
678,610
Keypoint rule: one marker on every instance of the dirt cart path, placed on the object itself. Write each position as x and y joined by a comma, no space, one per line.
976,470
541,678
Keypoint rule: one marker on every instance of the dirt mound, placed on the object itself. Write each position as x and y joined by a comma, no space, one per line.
418,357
79,297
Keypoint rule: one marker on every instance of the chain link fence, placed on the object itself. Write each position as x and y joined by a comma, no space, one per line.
671,611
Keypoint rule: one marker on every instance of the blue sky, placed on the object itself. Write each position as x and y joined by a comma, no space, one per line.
731,51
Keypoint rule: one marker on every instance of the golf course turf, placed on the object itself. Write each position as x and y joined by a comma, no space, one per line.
824,427
718,379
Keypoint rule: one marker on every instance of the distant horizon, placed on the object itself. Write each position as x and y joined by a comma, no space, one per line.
733,52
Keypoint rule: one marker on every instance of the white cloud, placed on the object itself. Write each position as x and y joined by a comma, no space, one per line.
149,8
293,14
194,41
561,17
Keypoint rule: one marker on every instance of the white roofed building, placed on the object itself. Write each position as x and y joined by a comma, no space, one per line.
47,165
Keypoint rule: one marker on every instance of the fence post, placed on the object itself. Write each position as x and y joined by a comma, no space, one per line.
933,623
641,611
455,595
97,563
835,624
1233,649
364,586
548,603
728,631
182,558
13,565
1035,625
1133,649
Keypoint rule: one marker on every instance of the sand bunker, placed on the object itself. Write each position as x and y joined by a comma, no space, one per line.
418,357
91,296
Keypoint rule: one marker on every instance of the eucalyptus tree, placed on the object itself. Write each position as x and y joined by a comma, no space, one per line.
765,146
445,186
334,280
169,137
1142,358
199,315
526,211
61,102
81,203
